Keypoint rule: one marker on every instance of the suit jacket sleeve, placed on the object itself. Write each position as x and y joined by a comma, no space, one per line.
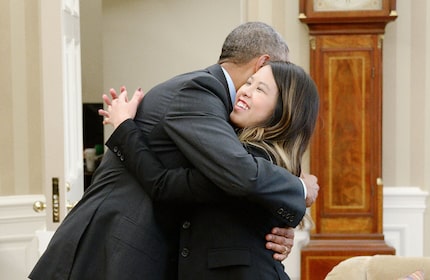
177,185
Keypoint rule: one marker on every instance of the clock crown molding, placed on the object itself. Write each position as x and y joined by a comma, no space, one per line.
347,16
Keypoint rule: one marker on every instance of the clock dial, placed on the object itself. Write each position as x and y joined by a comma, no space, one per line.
347,5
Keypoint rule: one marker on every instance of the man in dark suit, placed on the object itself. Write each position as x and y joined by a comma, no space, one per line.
185,120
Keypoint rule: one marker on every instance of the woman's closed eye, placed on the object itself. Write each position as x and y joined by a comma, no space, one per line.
259,89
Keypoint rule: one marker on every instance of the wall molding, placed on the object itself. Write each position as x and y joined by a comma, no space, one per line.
412,198
18,225
403,219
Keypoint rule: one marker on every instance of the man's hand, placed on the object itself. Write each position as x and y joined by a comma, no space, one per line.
312,188
280,241
119,108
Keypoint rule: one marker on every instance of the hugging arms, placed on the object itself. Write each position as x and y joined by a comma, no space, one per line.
131,143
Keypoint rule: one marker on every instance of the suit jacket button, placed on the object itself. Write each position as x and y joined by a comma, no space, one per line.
186,225
185,252
115,149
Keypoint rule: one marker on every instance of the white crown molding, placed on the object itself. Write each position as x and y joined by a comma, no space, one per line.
412,198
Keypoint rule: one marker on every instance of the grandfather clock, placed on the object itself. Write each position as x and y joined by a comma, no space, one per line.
346,40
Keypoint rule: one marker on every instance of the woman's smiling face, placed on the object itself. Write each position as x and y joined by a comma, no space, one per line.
255,100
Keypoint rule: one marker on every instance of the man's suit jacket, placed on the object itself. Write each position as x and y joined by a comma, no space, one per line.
110,234
186,123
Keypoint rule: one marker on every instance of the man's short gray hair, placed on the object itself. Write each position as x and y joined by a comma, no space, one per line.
251,40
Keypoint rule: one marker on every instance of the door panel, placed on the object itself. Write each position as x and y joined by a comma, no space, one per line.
73,142
62,106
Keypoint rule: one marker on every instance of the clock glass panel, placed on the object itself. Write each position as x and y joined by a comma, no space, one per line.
347,5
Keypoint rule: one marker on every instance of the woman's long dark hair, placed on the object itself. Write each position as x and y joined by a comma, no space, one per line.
287,134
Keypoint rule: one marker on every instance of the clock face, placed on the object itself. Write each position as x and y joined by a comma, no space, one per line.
347,5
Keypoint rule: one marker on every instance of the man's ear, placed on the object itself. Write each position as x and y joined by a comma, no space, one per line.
261,61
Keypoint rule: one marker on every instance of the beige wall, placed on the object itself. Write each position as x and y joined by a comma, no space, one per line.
20,107
140,43
406,102
92,50
159,39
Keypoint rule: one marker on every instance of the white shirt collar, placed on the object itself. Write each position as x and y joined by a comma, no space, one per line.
230,84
